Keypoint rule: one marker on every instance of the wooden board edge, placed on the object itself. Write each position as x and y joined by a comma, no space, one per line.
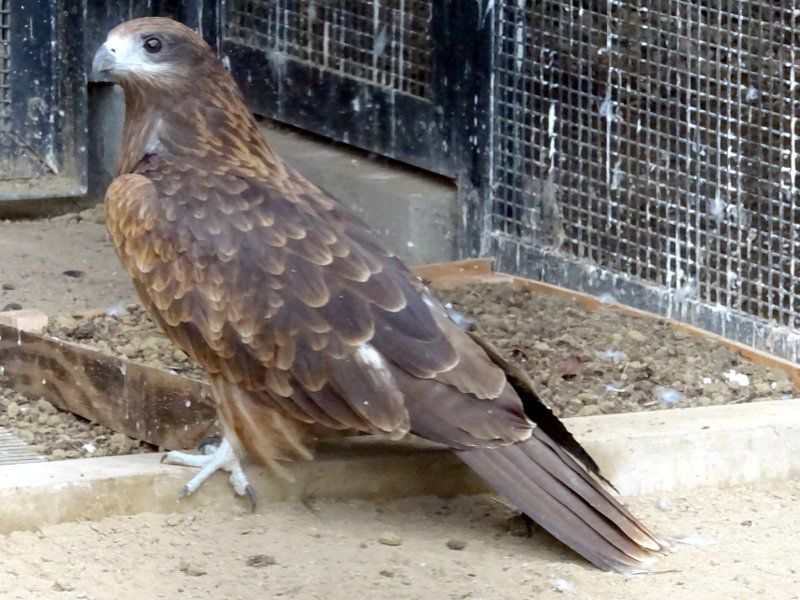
148,404
458,268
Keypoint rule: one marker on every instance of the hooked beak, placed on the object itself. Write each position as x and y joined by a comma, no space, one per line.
103,62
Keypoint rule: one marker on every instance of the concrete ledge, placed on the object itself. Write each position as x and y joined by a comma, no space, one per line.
36,494
413,212
670,451
642,453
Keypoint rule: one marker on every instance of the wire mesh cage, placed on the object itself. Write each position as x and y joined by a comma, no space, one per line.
385,43
651,149
5,65
363,72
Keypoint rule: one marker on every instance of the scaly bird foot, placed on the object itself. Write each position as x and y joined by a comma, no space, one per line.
214,458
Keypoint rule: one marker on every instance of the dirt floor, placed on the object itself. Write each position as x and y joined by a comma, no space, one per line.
588,363
742,546
62,265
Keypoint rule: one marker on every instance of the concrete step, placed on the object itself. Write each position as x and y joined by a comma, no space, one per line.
641,453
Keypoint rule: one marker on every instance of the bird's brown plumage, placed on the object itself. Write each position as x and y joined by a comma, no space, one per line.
301,316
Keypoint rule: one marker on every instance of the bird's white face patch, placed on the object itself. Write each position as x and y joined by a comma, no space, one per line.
130,56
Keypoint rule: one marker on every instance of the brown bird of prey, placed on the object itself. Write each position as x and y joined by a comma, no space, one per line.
301,317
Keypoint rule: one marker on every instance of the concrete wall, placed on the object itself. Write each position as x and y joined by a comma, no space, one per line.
414,212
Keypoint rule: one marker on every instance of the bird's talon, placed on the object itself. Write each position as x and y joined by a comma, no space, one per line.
183,493
251,493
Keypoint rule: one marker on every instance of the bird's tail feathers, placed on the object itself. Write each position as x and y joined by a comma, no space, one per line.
553,490
551,478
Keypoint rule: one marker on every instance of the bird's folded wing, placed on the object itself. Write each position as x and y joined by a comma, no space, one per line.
279,288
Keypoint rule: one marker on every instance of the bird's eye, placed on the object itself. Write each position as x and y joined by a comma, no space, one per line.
152,45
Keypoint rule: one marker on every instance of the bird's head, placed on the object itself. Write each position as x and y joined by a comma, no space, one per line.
153,52
178,96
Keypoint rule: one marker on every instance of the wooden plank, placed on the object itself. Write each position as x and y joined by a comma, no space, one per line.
25,319
463,268
147,404
448,276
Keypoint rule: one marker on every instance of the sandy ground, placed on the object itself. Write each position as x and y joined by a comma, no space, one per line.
749,542
36,254
333,551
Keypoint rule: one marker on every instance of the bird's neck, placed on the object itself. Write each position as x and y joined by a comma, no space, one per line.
213,120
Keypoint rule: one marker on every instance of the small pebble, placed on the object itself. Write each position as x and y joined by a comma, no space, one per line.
589,410
456,544
664,503
26,436
74,273
636,336
45,407
763,388
386,573
62,586
13,410
261,560
390,539
190,570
